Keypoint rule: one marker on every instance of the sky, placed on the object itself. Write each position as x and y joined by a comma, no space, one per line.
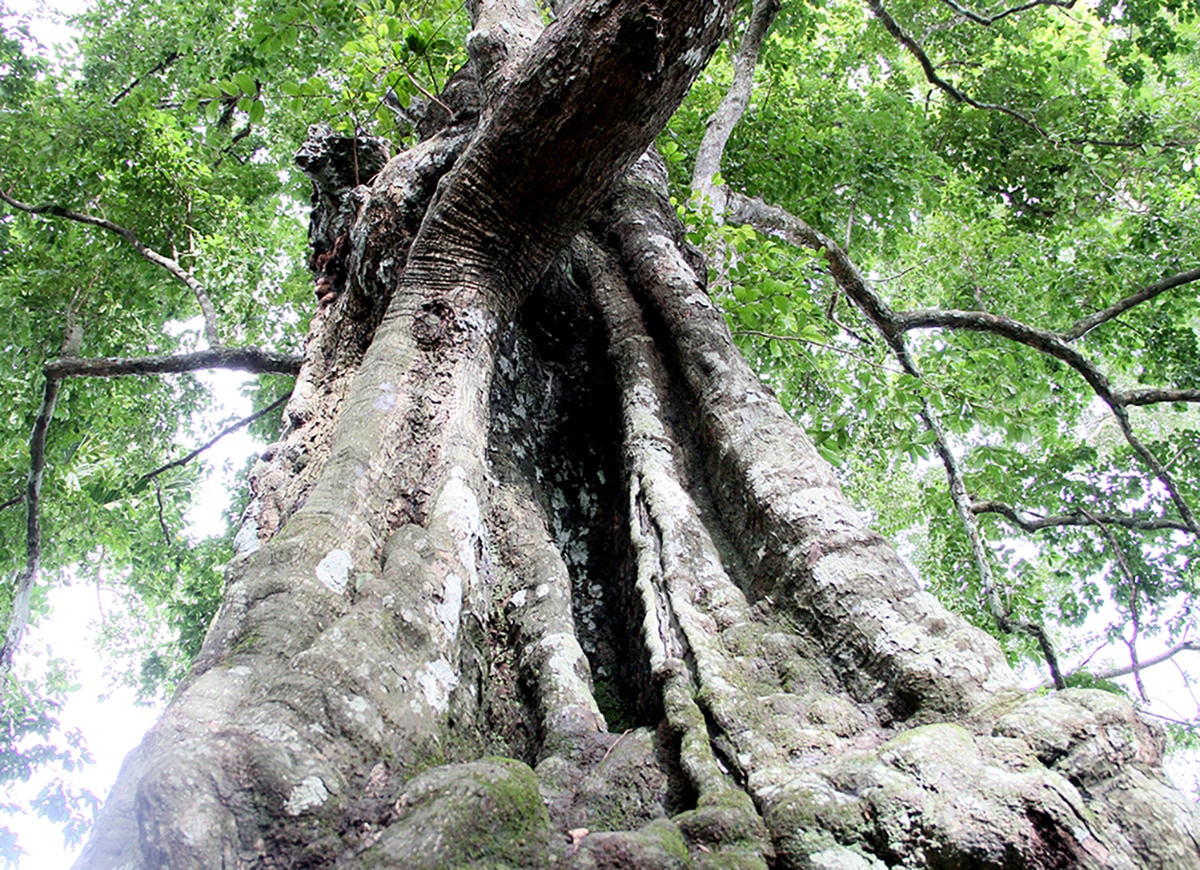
110,719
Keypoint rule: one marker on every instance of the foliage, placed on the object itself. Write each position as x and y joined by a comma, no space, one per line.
945,205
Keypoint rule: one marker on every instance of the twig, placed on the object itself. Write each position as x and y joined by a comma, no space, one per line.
211,332
433,98
1135,618
12,502
177,463
796,338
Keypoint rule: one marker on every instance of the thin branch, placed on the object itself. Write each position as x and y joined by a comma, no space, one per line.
12,502
23,591
1135,617
162,519
247,359
1190,726
157,68
1032,523
988,20
1085,325
211,332
1113,673
931,74
246,421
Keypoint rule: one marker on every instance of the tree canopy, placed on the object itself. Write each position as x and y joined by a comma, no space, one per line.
961,243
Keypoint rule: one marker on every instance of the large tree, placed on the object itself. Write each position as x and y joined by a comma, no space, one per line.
538,571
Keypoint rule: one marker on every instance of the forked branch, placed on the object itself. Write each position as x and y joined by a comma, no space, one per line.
211,332
244,359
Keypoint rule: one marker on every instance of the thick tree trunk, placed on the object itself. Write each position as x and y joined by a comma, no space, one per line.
541,575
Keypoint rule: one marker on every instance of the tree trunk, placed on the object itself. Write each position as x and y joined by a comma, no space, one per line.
541,575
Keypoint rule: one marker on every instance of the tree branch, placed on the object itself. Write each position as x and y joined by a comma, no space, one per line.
245,421
988,20
1052,345
915,49
720,126
1037,524
1113,673
23,590
1152,396
1086,324
247,359
211,332
158,67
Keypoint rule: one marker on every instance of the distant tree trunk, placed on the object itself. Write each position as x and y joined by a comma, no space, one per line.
541,575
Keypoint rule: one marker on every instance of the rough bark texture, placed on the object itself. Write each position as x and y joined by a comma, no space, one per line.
541,575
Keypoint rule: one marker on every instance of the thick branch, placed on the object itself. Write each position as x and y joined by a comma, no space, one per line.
1051,344
246,359
211,332
733,106
1086,324
1036,524
1152,396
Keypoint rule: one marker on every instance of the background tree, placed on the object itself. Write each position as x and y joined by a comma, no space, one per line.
447,556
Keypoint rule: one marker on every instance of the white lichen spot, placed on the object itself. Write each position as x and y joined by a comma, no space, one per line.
246,541
386,400
437,681
518,599
450,608
459,509
543,589
334,570
309,793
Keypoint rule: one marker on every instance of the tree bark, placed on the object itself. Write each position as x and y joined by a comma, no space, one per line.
541,575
